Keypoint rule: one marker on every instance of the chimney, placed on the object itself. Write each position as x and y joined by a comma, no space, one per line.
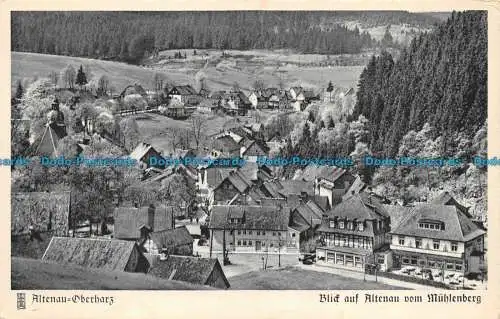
151,216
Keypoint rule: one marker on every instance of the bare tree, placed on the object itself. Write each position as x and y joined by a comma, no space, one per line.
198,126
102,84
158,80
259,85
68,76
54,77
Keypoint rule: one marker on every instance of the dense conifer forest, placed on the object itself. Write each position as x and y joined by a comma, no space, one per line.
440,79
128,36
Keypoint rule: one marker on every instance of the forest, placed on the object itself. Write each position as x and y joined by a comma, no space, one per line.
431,102
129,36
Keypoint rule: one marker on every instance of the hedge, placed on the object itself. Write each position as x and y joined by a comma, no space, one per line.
415,280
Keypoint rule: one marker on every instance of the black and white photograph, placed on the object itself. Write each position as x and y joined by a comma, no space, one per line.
249,150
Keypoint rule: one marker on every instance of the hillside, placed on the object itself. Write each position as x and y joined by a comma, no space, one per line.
272,67
36,274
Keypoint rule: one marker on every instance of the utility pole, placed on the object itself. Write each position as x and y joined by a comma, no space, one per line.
211,241
279,249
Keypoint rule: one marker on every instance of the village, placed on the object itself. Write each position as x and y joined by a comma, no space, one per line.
223,226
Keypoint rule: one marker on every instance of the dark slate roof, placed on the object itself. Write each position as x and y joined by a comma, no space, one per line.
397,213
445,198
254,217
215,175
457,226
309,213
360,207
295,187
226,143
172,237
257,148
218,95
105,254
238,180
129,219
185,90
133,89
309,94
49,141
194,270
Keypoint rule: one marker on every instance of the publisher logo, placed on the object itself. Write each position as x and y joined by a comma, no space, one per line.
21,300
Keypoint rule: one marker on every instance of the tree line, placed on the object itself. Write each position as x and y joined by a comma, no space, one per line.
129,36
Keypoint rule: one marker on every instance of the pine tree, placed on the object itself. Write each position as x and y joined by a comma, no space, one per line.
81,78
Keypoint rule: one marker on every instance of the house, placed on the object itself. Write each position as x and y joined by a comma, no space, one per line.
253,97
237,103
252,228
134,223
195,270
55,130
309,96
184,94
176,241
331,181
104,254
295,91
305,219
437,236
354,233
135,89
218,98
146,155
40,212
226,146
285,100
234,184
204,92
254,150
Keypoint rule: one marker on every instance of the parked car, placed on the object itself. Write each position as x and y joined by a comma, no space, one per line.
305,256
308,261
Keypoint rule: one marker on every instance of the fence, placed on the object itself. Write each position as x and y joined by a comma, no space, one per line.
415,280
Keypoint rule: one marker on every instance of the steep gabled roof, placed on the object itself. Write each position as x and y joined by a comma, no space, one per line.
458,227
358,207
140,150
254,217
172,237
446,198
238,180
48,143
105,254
184,90
194,270
129,219
256,148
397,213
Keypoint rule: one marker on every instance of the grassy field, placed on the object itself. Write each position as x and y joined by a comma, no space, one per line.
290,278
29,65
242,67
36,274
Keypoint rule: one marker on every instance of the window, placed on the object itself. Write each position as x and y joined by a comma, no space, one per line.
406,260
341,225
426,225
263,233
249,243
249,232
418,242
239,242
421,225
454,246
244,232
413,260
271,245
332,224
421,263
239,232
401,240
450,266
274,233
279,234
431,226
293,235
458,267
258,232
244,243
361,227
380,260
435,244
232,220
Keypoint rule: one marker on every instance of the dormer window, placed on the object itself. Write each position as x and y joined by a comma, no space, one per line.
341,224
361,226
332,224
431,224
